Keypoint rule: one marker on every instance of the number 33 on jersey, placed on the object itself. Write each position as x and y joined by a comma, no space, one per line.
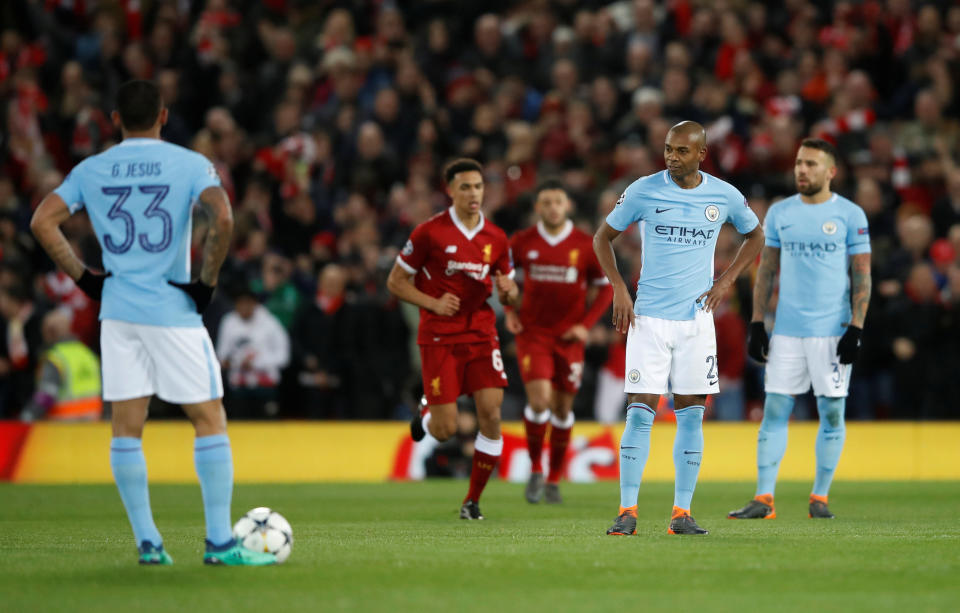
139,196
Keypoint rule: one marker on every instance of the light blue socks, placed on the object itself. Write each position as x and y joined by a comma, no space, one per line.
687,454
211,455
634,449
830,439
772,440
130,473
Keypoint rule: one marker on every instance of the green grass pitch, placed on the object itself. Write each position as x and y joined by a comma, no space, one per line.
400,547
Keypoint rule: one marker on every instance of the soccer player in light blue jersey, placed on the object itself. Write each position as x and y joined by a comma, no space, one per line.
821,243
139,195
670,334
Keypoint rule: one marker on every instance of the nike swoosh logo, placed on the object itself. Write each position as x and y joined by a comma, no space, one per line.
782,228
664,210
685,452
629,448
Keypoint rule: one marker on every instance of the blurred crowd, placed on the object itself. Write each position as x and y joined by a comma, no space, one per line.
328,122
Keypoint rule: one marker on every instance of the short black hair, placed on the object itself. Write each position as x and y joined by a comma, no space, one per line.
549,184
822,145
460,165
139,104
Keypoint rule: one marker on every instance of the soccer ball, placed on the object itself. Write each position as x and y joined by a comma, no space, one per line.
264,529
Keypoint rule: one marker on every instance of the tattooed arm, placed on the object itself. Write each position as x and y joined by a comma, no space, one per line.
216,204
763,288
860,286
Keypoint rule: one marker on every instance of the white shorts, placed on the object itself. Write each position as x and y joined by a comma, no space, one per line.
177,364
683,353
794,363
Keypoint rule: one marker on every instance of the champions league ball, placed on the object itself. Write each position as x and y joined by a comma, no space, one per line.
264,529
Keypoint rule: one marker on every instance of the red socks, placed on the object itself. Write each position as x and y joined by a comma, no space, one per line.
535,425
486,455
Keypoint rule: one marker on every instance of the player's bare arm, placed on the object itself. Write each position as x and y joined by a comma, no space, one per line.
860,286
45,225
511,319
400,284
215,202
763,288
507,290
623,315
721,287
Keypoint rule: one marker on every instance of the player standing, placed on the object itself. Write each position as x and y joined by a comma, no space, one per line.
139,196
448,268
559,268
814,237
670,334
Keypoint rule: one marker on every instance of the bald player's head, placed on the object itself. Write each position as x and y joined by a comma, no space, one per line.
684,149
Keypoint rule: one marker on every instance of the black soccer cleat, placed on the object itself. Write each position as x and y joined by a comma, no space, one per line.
755,509
552,494
819,509
534,490
470,510
417,431
625,524
683,523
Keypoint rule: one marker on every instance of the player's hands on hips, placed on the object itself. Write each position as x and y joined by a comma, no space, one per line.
577,333
623,315
512,322
198,290
758,343
714,297
446,305
91,283
849,346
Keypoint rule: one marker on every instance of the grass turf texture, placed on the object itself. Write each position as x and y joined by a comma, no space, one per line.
400,547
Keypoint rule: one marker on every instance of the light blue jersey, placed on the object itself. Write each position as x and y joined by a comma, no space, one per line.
679,229
139,195
815,241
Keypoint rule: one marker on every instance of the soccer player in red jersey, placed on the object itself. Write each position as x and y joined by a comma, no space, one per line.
448,268
561,276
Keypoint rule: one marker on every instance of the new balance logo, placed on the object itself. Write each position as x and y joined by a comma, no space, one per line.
664,210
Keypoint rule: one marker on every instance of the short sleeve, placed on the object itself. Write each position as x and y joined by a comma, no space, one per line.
627,209
206,176
415,251
70,190
858,232
740,214
770,232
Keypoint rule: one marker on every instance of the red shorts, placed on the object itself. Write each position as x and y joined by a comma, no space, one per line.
452,370
543,357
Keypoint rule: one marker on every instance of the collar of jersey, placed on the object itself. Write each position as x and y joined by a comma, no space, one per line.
463,229
669,181
553,241
140,140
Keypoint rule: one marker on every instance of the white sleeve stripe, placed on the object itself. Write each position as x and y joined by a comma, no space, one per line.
600,281
410,269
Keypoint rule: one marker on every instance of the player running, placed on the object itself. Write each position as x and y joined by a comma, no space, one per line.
814,237
448,269
670,335
139,196
560,271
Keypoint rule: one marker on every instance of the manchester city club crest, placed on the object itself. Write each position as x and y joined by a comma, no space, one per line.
712,212
829,227
634,376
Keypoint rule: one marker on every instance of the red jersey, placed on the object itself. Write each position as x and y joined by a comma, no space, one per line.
447,257
557,272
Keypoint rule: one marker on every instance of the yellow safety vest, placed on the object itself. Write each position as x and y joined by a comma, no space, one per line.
79,394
